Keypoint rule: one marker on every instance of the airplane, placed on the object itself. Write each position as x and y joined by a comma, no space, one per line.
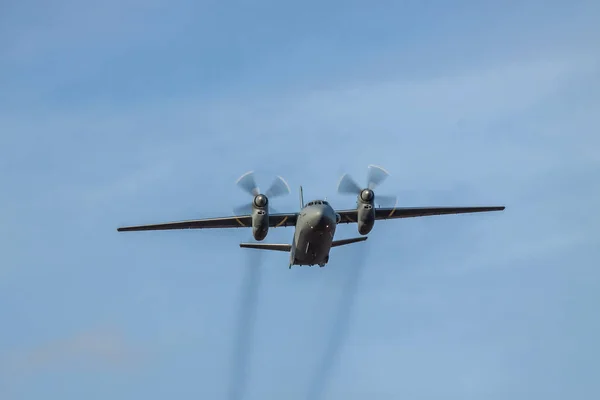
315,223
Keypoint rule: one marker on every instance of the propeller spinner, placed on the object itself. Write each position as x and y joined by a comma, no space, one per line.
375,176
247,182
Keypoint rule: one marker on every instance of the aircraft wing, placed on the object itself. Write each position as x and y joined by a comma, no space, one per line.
236,221
349,216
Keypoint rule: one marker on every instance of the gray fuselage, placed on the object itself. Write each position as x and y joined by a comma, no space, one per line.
313,235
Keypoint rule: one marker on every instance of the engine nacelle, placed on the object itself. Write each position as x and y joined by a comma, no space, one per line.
260,217
260,224
365,211
366,218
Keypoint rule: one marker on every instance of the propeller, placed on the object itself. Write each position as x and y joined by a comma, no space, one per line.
247,183
375,177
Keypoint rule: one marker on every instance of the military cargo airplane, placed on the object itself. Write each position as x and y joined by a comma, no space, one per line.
316,222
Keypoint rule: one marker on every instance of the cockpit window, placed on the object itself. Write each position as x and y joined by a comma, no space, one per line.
317,202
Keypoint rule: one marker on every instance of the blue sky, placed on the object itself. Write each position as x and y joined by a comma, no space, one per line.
127,112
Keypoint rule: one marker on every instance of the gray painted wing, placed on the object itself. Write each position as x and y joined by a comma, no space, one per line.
241,221
277,220
348,216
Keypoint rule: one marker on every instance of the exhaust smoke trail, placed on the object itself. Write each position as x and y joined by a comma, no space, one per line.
341,321
244,327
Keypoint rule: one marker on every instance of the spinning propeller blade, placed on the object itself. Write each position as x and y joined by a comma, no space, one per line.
347,185
386,200
278,188
245,209
247,183
375,176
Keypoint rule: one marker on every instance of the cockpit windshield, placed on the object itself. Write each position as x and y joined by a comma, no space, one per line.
315,202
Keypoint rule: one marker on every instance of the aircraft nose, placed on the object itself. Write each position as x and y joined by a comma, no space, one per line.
322,220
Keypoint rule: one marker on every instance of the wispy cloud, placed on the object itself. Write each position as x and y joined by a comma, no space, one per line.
122,112
101,348
465,109
49,29
128,185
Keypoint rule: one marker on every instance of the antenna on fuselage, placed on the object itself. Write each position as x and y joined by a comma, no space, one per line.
301,198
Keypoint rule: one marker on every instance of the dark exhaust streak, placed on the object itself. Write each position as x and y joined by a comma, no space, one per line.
244,327
341,321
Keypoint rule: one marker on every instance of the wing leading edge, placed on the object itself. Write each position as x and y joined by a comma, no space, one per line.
349,216
240,221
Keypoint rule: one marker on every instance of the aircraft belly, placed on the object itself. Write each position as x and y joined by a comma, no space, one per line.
312,247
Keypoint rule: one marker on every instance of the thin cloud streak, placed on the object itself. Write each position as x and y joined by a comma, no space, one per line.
97,348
